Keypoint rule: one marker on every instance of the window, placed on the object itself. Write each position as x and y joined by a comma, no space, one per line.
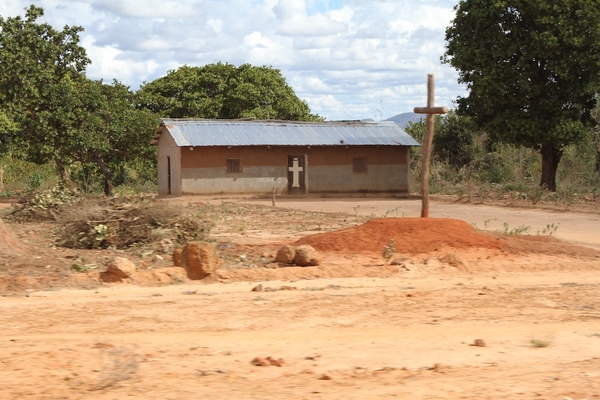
359,165
234,165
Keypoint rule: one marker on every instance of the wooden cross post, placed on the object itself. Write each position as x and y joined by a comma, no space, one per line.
430,110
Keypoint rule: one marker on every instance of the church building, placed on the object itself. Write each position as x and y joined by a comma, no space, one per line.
199,156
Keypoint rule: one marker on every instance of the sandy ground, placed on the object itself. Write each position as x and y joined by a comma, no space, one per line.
500,325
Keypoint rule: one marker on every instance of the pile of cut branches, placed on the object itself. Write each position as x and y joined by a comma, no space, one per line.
39,206
123,223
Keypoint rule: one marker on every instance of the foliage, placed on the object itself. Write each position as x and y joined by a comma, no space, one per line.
36,61
596,134
389,250
54,113
115,134
454,141
520,230
532,70
224,91
8,128
42,206
22,175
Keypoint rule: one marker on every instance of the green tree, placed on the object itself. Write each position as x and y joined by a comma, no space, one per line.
596,134
36,61
8,128
455,140
101,126
53,112
532,70
224,91
122,133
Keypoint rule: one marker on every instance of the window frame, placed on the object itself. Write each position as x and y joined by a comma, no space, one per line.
234,165
360,165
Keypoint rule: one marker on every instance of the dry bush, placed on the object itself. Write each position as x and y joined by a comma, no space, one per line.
125,222
38,206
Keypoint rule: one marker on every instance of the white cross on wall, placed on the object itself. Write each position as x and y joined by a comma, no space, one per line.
295,169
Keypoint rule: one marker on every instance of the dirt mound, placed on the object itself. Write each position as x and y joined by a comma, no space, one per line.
427,235
406,235
12,245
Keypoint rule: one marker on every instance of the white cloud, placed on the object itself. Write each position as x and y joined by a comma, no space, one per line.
349,59
184,9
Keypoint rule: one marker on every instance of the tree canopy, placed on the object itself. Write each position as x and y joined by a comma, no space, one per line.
532,70
100,125
51,111
224,91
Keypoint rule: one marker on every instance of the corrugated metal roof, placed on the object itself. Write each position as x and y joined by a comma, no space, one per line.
202,132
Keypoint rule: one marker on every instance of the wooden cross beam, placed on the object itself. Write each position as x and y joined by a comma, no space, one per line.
430,110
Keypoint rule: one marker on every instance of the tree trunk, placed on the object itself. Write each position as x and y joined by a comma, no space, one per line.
550,159
598,156
63,172
108,179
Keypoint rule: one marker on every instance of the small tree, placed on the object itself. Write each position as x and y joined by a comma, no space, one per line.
532,70
224,91
103,127
455,140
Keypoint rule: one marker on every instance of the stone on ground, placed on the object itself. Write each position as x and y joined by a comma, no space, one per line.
199,259
306,256
455,261
286,255
117,269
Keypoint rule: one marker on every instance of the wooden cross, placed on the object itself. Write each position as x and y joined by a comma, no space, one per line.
430,110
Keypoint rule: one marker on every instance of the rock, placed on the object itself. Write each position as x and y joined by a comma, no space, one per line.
200,259
286,255
257,288
433,263
478,343
269,361
306,256
119,268
178,257
454,261
166,245
401,261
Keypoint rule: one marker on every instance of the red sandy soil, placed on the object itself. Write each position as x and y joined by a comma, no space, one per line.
462,314
409,236
414,236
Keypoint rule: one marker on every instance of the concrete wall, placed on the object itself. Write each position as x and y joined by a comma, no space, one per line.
167,149
379,178
217,180
328,168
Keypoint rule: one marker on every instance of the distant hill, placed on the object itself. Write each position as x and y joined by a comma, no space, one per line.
404,118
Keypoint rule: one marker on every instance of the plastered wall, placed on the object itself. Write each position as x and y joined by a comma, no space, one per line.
328,168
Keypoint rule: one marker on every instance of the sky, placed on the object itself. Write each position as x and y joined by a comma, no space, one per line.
348,59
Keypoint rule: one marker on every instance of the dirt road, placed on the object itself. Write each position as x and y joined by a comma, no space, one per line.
513,326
